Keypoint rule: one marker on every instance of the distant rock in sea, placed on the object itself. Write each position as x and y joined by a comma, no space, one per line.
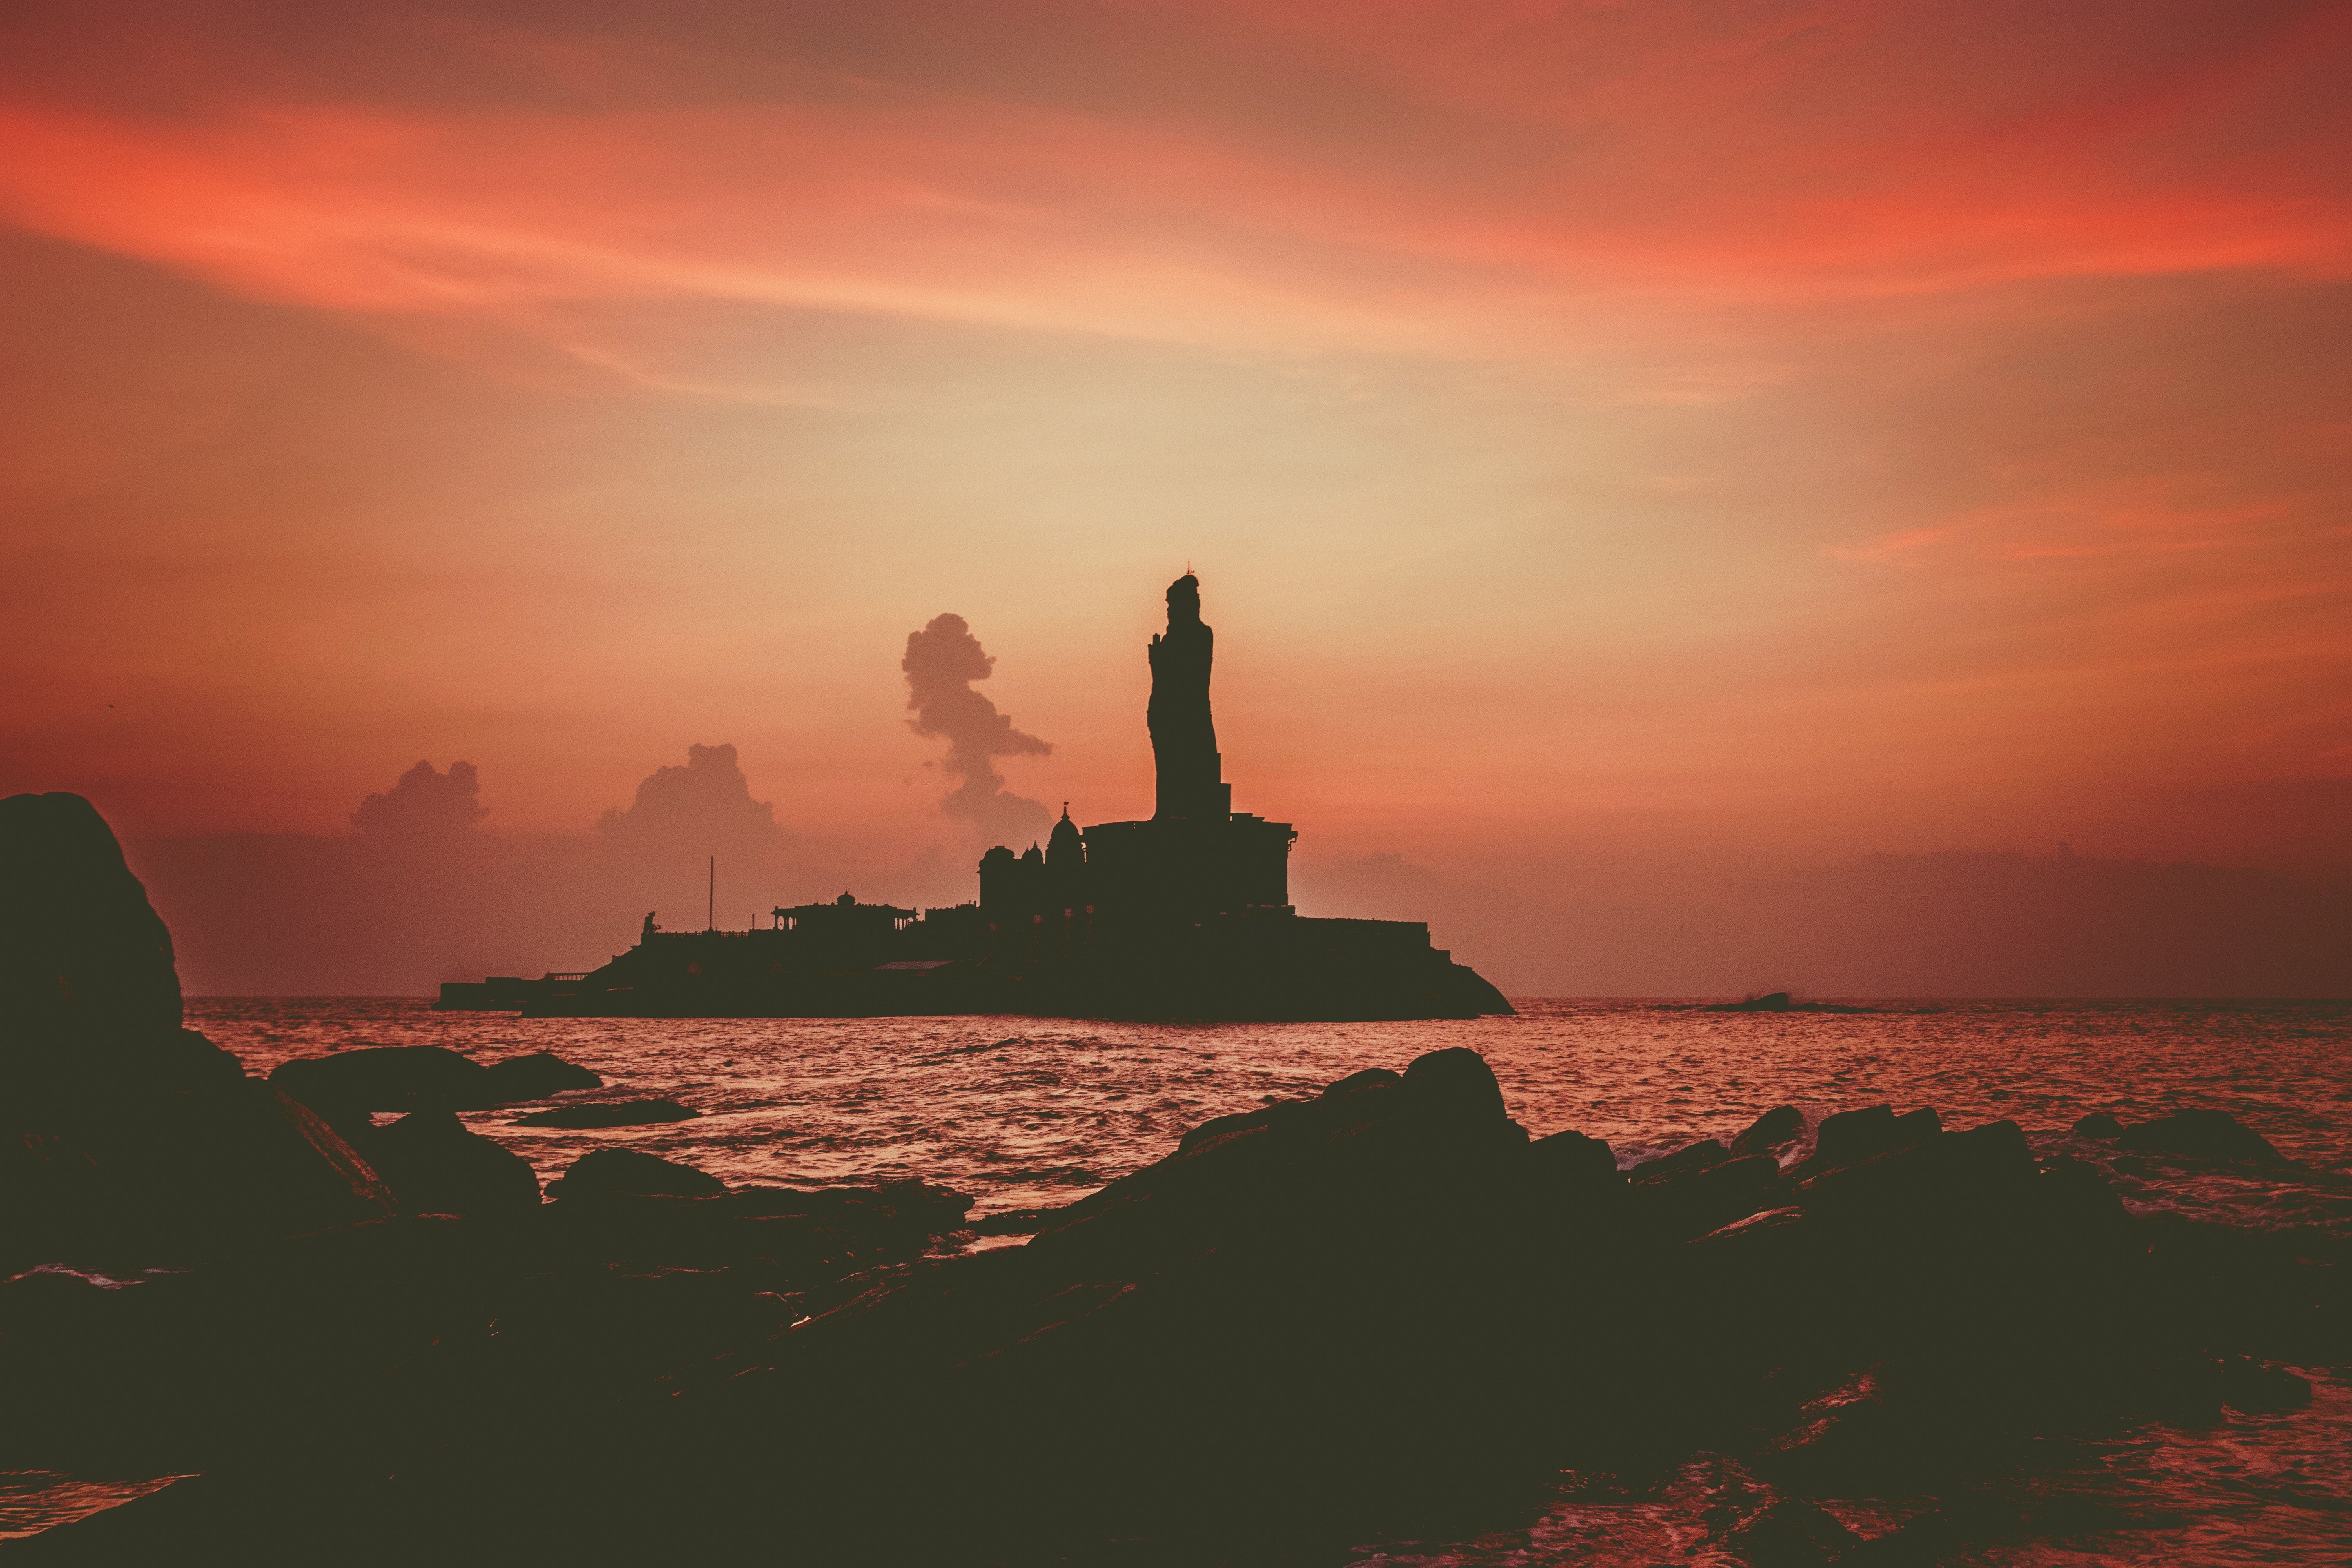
2204,1134
1778,1002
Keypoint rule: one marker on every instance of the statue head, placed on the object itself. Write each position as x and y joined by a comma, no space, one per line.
1184,600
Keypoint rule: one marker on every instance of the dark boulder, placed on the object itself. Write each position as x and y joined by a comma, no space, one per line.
1703,1198
435,1165
609,1113
932,1208
1569,1161
1850,1135
1315,1301
768,1238
1570,1177
1344,1158
536,1076
1682,1162
1218,1127
349,1084
121,1133
279,1342
2098,1124
1790,1534
1451,1088
1456,1086
1952,1173
2204,1135
2079,1191
1855,1135
1916,1126
1355,1083
174,1177
1770,1133
604,1171
386,1077
84,960
2258,1388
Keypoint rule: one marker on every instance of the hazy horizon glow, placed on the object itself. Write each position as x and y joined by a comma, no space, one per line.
1608,435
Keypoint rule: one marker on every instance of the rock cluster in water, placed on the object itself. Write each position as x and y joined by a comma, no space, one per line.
1385,1310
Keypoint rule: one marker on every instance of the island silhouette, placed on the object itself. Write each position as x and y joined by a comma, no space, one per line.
1185,914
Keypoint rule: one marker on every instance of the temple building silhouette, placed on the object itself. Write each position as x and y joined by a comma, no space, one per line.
1183,915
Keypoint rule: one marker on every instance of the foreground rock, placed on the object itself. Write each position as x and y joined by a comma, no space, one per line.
349,1084
1382,1310
1771,1132
435,1164
122,1135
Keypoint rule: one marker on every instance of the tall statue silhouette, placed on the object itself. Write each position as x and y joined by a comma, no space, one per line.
1183,735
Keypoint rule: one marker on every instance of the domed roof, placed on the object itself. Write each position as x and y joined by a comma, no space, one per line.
1065,846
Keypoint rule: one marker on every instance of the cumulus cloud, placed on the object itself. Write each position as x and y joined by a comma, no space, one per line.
703,808
942,662
425,803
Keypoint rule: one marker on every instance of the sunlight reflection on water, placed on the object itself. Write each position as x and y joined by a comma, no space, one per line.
1024,1113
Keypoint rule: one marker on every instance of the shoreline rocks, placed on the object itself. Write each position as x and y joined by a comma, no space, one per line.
1378,1310
1318,1322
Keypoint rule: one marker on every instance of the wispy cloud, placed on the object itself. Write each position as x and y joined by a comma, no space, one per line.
1524,201
2137,516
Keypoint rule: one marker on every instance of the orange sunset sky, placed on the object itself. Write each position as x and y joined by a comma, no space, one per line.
1624,445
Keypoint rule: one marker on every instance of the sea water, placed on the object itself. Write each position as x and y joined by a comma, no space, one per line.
1025,1113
